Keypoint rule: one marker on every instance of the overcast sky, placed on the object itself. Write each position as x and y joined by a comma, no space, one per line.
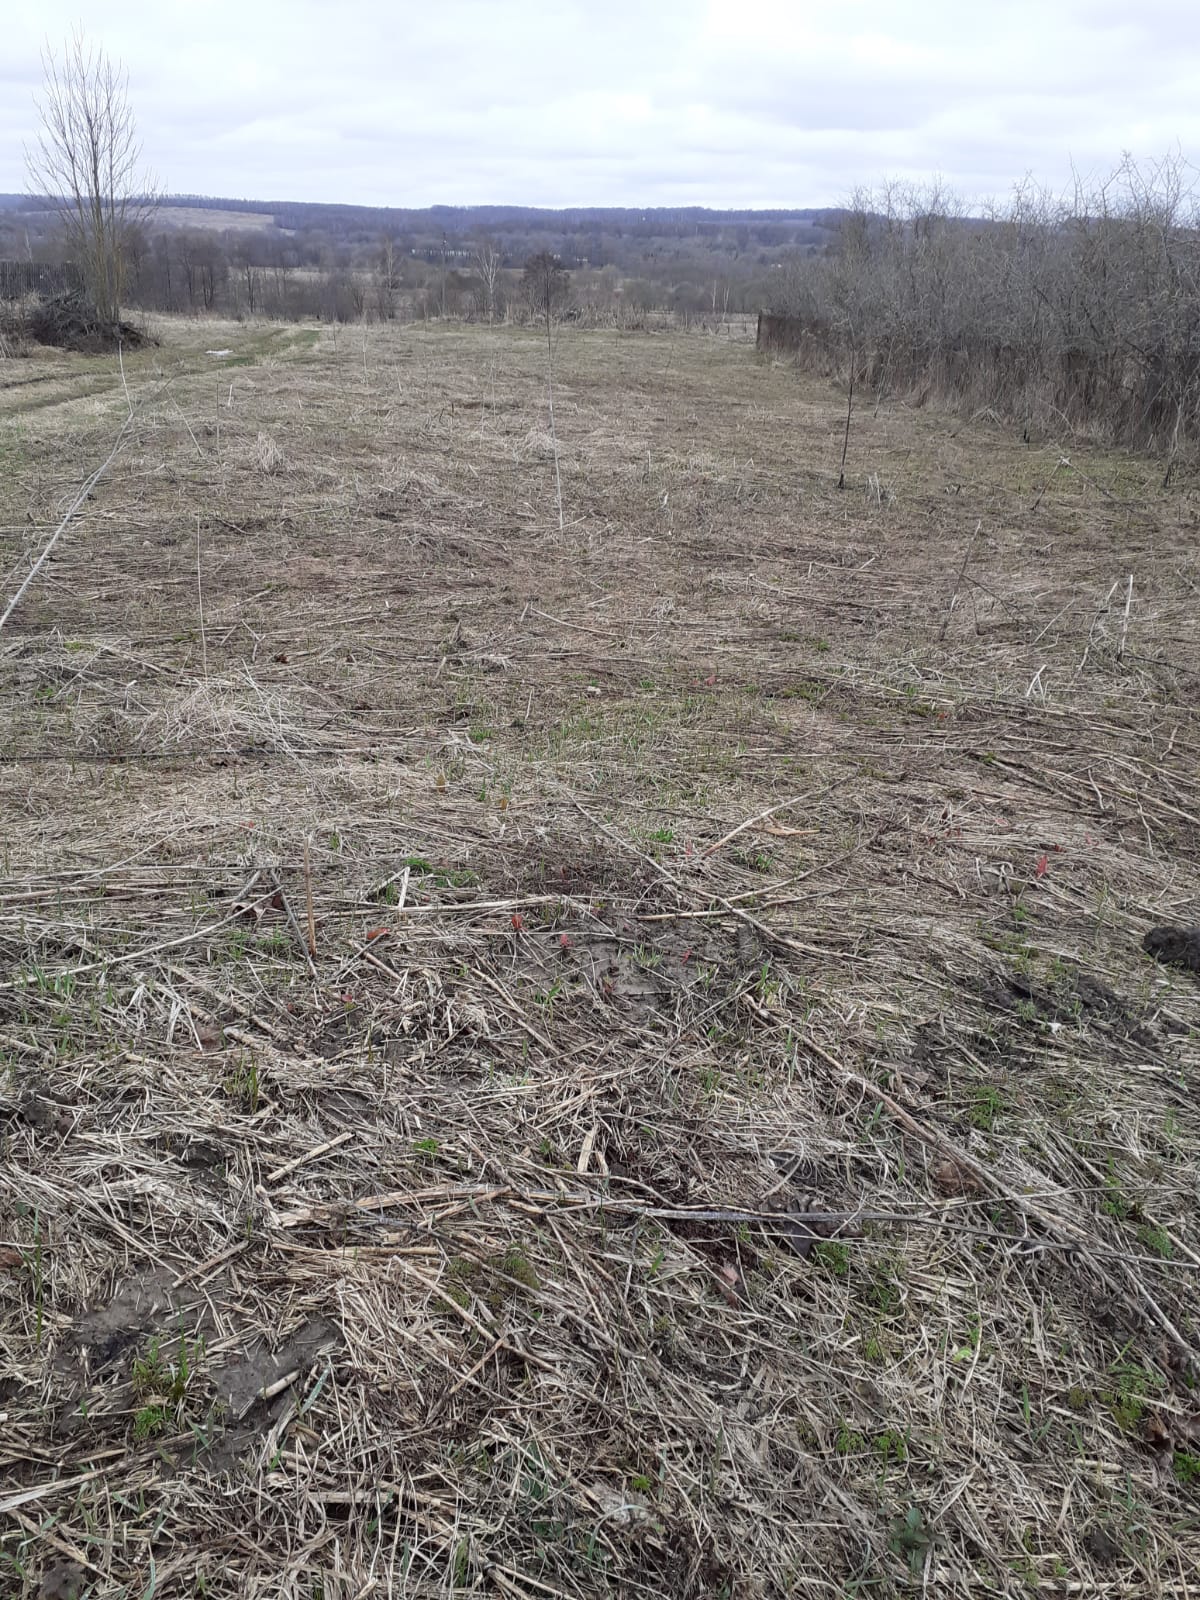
624,102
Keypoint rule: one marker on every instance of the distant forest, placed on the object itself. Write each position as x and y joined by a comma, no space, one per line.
340,262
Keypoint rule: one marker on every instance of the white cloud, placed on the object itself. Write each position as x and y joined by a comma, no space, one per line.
780,102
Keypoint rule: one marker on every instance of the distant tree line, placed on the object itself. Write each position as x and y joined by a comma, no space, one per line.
605,235
1083,312
341,263
261,273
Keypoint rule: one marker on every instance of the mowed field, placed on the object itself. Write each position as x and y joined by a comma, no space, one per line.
218,221
612,1060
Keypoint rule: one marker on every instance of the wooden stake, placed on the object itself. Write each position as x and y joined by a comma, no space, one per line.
1125,619
849,409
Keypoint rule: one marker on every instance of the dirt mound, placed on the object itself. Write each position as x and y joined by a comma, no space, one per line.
69,321
1175,947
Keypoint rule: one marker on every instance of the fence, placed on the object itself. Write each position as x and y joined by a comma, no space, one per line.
19,278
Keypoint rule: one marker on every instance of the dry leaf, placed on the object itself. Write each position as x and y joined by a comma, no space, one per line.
1156,1433
731,1284
620,1506
798,1236
585,1150
949,1178
805,1218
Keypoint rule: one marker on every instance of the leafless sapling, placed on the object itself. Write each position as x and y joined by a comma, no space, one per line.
545,282
87,163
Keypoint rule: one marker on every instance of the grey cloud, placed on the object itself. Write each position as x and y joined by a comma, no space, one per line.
627,101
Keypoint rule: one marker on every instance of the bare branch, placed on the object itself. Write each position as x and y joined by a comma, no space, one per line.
86,163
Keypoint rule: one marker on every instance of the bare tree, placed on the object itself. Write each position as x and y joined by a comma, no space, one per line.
720,301
87,163
486,261
1079,312
545,282
242,256
387,278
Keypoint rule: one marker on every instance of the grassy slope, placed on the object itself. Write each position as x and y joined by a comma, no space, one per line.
534,1360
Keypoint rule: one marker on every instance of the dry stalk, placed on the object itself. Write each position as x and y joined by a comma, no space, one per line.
1125,619
308,901
78,501
959,579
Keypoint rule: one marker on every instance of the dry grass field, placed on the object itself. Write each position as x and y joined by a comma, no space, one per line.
216,221
728,1140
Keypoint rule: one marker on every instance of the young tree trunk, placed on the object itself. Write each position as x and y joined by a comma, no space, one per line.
550,397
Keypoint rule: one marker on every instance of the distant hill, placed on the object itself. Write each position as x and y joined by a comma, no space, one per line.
224,213
309,214
651,241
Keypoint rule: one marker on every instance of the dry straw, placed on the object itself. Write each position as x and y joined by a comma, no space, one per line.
612,1063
